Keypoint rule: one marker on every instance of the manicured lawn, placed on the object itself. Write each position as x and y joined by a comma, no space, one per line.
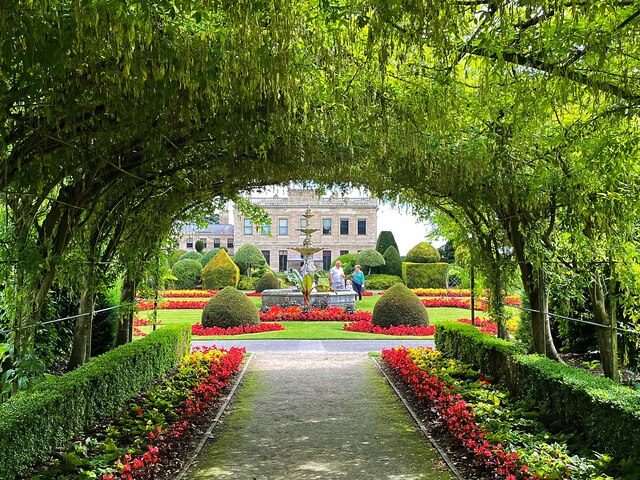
302,330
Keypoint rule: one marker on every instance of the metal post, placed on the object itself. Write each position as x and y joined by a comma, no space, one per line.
473,298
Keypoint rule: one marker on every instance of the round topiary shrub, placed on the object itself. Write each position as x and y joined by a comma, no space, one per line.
220,272
187,273
400,306
267,282
423,253
247,283
206,256
229,308
191,256
369,259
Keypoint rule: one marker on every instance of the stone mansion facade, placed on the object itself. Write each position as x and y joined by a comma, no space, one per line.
344,225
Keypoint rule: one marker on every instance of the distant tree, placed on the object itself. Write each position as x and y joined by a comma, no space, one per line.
447,252
199,246
247,257
369,259
385,240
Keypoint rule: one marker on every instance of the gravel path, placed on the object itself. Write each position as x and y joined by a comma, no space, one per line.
317,416
314,346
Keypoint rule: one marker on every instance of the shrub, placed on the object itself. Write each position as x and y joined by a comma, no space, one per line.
230,308
399,306
190,256
267,282
423,253
175,256
385,240
381,281
220,272
34,424
603,411
392,261
207,256
369,259
187,273
425,275
199,246
248,256
247,283
348,262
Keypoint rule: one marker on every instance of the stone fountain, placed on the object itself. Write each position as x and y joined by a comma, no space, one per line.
293,296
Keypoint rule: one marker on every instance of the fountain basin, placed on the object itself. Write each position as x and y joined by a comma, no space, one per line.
285,297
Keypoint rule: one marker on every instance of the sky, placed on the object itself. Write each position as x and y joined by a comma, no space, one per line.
406,229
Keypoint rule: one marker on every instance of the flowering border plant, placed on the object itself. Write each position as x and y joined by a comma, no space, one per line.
503,434
295,314
140,440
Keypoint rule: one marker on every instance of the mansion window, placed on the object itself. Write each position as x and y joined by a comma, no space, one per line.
344,252
362,226
229,243
265,230
303,224
216,243
344,226
326,226
283,226
267,256
189,242
248,226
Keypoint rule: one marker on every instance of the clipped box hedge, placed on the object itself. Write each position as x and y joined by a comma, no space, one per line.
424,275
34,424
607,414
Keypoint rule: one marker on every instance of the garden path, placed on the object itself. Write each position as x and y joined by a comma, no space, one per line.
317,416
313,346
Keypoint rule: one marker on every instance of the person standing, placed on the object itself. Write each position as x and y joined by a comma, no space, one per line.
336,276
358,282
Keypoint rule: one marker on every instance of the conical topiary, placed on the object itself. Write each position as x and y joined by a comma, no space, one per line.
207,256
220,272
267,282
230,308
399,306
423,252
393,261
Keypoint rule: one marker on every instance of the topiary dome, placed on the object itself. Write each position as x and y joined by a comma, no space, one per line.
190,256
187,273
230,308
423,252
400,306
267,282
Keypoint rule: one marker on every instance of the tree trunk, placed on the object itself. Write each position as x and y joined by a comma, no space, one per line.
81,351
535,286
607,337
125,321
496,302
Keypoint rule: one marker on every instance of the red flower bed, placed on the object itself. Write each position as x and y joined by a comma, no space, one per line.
143,322
481,305
173,305
484,325
189,293
366,326
253,294
440,292
294,314
198,329
458,417
138,333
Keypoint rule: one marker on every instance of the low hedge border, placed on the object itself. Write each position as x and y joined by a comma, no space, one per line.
34,424
607,414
